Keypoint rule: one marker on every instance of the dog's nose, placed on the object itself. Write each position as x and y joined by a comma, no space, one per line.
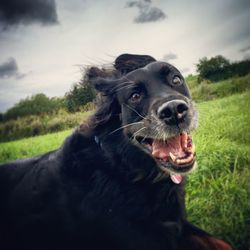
173,112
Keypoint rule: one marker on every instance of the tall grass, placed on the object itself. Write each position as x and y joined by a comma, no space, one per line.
218,192
206,90
40,124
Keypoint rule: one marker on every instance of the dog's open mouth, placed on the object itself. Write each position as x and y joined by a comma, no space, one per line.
175,156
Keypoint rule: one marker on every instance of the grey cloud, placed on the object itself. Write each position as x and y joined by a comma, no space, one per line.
239,6
245,49
147,13
246,52
140,4
15,12
20,75
10,69
246,57
169,56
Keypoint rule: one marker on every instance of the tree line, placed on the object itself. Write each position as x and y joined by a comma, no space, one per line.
80,95
220,68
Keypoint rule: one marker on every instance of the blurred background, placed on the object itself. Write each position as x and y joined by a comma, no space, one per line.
46,46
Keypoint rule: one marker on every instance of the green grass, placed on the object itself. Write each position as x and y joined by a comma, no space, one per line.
218,192
32,125
31,146
206,90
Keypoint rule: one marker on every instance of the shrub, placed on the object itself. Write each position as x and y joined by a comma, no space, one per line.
38,125
213,69
80,94
35,105
219,68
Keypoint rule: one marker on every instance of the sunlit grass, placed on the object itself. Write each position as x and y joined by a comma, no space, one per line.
31,146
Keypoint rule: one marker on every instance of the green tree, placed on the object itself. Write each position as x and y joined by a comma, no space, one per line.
34,105
80,94
240,68
214,69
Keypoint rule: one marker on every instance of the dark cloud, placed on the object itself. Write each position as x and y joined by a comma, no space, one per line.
246,52
147,13
245,49
170,56
246,56
15,12
10,69
238,6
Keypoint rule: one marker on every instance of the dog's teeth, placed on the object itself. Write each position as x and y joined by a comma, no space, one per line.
178,161
172,156
185,160
181,161
188,159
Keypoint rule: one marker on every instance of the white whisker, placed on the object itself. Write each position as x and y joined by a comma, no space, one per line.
137,112
127,125
134,134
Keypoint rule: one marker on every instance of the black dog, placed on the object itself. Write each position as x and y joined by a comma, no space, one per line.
117,182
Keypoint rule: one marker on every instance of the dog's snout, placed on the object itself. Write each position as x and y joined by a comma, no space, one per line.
173,112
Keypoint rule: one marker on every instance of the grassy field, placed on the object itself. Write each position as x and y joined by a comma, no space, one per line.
218,192
31,146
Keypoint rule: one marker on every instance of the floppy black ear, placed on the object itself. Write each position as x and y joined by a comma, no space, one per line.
104,86
101,80
126,63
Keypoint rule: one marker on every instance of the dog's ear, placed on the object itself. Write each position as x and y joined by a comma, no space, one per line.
126,63
104,86
101,80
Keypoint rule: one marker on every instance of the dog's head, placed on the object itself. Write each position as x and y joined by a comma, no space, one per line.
152,107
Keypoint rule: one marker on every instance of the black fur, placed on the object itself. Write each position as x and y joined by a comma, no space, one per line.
98,191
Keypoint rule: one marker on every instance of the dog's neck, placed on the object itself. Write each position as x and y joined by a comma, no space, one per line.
143,172
161,201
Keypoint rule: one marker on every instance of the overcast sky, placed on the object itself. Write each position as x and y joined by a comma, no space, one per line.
44,42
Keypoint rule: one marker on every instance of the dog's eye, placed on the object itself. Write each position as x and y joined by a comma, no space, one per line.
177,81
135,97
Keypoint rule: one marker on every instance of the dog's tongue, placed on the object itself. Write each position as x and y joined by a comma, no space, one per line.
176,178
175,145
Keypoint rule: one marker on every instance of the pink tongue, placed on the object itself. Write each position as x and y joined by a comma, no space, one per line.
176,178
